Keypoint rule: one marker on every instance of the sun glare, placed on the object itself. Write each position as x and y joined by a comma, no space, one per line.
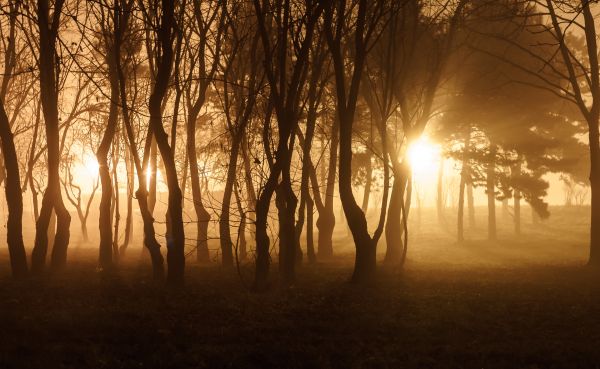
90,163
424,158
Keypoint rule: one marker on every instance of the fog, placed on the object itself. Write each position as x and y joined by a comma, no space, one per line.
324,183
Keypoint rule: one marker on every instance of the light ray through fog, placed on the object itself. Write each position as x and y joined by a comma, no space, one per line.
424,158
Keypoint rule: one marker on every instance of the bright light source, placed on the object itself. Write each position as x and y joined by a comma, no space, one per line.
91,165
424,159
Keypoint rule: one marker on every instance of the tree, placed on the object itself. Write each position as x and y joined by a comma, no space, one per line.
176,241
337,22
14,197
48,25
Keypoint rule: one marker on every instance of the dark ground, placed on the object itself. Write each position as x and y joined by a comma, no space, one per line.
474,305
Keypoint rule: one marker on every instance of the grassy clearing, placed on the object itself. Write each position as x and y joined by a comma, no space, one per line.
513,303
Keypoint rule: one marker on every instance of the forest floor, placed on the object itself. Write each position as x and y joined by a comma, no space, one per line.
526,302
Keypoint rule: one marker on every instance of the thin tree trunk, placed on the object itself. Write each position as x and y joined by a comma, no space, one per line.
115,177
464,179
152,173
461,205
129,217
310,243
517,200
491,195
594,142
394,226
224,226
242,247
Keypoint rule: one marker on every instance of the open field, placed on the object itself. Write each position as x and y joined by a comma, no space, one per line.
513,303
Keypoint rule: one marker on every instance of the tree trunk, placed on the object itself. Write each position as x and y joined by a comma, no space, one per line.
129,217
594,139
153,174
326,219
365,262
242,251
262,238
104,219
115,176
14,199
310,243
176,241
141,193
517,200
394,228
49,96
286,204
202,216
460,235
224,226
465,176
491,195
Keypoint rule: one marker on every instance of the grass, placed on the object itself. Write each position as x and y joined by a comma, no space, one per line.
512,303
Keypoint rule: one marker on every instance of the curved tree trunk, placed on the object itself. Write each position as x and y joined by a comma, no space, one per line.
49,96
14,199
129,217
394,228
224,226
176,241
202,216
141,193
104,218
262,238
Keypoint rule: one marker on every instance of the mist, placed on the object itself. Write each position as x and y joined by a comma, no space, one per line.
302,184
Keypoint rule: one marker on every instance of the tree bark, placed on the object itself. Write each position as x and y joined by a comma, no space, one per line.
224,226
460,232
326,220
176,241
129,217
594,142
394,228
52,199
104,218
14,199
517,200
491,192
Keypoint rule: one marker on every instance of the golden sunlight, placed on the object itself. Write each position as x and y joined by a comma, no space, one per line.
90,163
424,159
